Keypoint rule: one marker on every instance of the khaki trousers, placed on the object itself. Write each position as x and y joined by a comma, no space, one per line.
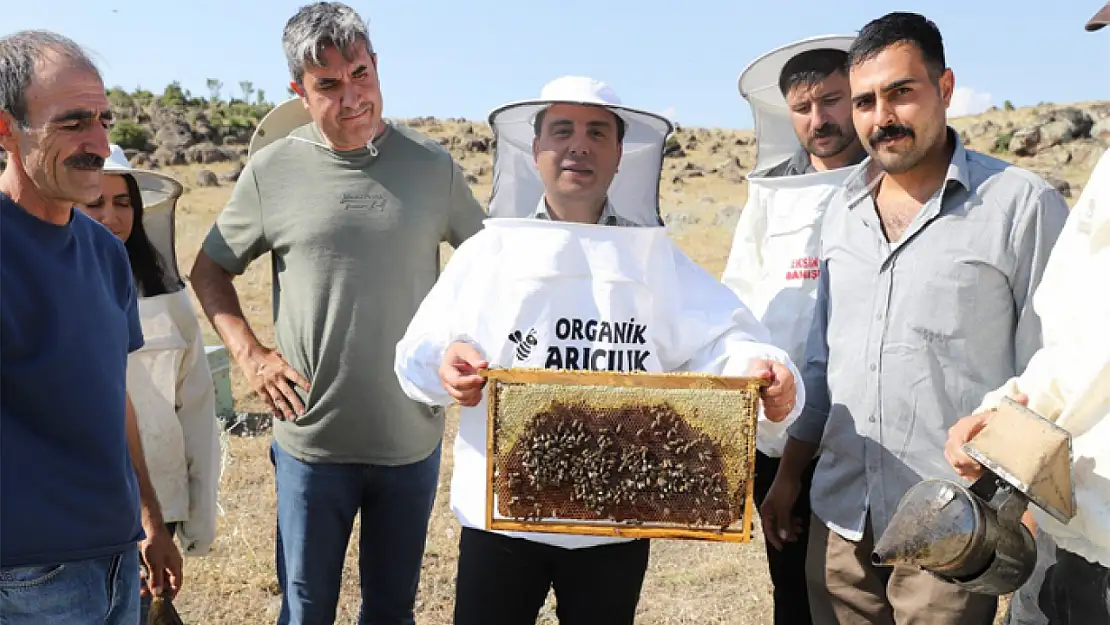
846,589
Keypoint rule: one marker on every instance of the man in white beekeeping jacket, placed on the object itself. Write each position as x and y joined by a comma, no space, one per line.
572,271
1068,382
806,144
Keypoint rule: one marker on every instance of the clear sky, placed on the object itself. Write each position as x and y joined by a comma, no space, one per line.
461,58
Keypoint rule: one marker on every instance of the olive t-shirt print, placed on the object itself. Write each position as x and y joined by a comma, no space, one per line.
370,201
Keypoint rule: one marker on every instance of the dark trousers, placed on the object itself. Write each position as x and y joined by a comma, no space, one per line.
1074,592
504,581
316,508
787,567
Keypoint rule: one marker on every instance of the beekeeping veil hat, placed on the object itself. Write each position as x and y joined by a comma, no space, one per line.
759,85
517,186
160,193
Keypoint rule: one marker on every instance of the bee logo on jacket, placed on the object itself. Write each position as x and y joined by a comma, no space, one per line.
524,343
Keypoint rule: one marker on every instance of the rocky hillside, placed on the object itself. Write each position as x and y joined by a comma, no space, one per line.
1060,142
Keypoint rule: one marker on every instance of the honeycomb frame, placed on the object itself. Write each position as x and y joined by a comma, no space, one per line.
707,422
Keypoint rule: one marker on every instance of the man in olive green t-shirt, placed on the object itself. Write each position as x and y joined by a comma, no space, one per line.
352,210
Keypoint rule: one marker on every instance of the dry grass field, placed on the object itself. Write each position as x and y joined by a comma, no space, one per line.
687,583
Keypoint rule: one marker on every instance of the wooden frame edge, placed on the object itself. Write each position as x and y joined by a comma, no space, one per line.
620,379
621,531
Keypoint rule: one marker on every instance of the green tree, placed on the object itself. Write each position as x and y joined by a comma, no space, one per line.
1009,106
214,87
248,88
129,135
120,98
173,95
142,96
261,95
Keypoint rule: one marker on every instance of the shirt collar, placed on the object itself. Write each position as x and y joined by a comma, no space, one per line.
868,173
608,216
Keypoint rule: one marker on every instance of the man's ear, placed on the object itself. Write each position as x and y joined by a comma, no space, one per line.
947,86
536,150
7,136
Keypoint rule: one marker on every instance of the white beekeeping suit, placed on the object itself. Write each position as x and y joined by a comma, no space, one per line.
773,263
169,381
538,293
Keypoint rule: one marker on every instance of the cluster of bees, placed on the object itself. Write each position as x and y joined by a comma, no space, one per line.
633,465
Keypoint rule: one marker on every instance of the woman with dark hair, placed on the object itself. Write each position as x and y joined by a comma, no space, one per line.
168,378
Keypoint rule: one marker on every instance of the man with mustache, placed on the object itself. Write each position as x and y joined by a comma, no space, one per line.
76,492
573,248
352,209
930,255
772,266
1067,381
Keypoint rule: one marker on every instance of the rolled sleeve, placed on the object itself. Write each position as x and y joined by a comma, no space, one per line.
238,236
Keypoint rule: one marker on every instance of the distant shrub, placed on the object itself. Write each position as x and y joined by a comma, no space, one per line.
174,95
120,98
1002,142
129,135
1008,105
142,96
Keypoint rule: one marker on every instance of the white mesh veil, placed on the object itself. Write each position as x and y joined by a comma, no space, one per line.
517,187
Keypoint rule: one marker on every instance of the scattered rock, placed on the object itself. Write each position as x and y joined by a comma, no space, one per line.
478,145
206,153
1024,141
233,175
680,218
674,150
207,178
140,159
1101,131
471,179
980,129
168,157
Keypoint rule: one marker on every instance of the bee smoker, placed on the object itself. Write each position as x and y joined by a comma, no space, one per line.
973,536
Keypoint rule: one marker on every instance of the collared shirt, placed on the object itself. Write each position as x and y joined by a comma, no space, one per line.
800,163
909,336
608,217
796,165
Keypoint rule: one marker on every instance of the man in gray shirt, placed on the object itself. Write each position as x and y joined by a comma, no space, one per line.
930,256
352,210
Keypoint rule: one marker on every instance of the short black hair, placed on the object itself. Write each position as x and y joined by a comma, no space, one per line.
537,124
898,27
811,67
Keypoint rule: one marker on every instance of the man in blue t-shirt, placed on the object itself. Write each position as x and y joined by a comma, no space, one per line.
75,497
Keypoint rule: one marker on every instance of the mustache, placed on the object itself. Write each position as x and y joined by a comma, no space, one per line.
827,129
84,161
893,131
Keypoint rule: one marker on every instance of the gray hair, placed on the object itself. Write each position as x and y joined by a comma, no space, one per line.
317,26
20,55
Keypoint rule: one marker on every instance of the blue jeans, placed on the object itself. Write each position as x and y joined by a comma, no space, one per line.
104,591
316,508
